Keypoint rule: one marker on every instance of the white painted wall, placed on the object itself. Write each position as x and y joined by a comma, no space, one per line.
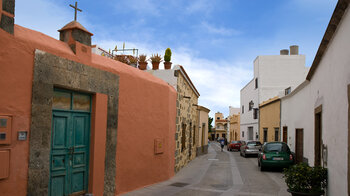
248,93
328,88
165,74
278,72
275,73
233,110
293,107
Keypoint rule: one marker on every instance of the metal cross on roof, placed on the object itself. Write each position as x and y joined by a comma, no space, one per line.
76,9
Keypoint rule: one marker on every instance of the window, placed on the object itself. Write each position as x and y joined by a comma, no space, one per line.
287,91
277,134
276,147
218,118
256,83
255,114
265,134
194,134
183,137
254,143
242,109
242,133
251,105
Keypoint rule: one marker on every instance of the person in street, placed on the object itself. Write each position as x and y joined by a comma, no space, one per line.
222,143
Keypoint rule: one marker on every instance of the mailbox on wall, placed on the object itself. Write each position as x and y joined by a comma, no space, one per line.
5,129
158,146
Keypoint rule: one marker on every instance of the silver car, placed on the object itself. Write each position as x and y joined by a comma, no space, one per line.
250,148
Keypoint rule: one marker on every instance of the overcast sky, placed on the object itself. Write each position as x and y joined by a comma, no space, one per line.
215,40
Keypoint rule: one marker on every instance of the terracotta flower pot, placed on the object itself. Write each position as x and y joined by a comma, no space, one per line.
143,65
167,65
155,65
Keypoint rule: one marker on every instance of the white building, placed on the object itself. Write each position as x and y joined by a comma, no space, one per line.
273,74
316,115
233,110
100,51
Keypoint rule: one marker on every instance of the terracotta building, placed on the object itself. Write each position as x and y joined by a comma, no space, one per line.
270,119
72,122
186,116
203,128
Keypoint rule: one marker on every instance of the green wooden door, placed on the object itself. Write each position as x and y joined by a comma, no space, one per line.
69,150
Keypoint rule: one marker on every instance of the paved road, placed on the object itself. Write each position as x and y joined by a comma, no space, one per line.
219,174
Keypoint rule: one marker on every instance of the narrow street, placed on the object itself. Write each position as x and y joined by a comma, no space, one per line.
220,173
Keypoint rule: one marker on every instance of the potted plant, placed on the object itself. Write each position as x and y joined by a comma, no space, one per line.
132,61
167,59
142,62
155,59
304,180
121,58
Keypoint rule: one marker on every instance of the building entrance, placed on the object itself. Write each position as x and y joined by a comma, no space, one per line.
69,154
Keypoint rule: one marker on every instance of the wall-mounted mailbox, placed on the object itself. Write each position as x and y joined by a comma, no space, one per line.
5,129
4,163
22,135
158,146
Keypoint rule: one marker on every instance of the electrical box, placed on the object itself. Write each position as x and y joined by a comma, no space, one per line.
4,163
158,146
5,129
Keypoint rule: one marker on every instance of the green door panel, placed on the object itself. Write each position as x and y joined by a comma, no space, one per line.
81,123
57,186
69,153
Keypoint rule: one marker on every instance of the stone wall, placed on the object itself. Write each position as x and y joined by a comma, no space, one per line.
186,115
7,11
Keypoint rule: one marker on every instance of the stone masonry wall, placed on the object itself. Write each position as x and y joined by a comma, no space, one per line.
186,114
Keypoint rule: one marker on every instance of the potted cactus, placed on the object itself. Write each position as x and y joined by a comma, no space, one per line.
142,62
155,59
167,59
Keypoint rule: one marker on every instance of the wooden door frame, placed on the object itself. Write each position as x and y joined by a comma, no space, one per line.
285,134
318,136
296,144
203,137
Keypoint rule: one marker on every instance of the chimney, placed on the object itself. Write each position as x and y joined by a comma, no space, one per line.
7,15
294,50
284,52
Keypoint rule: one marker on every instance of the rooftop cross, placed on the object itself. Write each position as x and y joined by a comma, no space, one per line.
76,9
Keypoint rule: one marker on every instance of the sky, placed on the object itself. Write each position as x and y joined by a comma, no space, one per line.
216,41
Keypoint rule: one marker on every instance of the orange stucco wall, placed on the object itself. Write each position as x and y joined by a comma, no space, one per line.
146,111
98,143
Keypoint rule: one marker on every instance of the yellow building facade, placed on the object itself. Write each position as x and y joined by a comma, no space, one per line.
235,127
269,120
203,127
220,126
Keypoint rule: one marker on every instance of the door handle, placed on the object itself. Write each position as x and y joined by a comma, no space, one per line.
71,150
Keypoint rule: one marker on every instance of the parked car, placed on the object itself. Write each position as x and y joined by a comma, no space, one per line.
234,145
250,148
275,154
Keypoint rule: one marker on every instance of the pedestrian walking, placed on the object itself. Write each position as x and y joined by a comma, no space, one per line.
222,143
